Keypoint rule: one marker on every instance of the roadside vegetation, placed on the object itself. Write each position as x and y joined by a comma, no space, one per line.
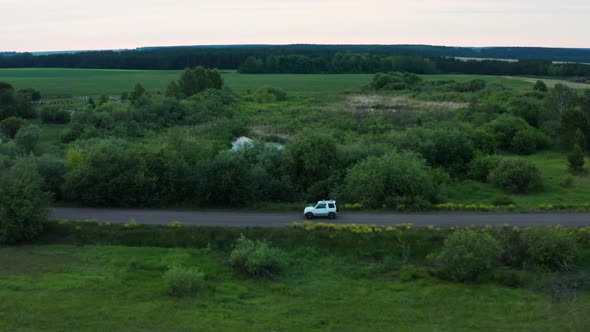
399,142
312,276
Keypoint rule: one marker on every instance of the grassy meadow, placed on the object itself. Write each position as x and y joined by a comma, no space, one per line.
98,288
85,82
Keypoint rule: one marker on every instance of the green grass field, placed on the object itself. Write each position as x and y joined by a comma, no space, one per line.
78,82
98,288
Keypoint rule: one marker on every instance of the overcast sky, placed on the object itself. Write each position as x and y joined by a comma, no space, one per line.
42,25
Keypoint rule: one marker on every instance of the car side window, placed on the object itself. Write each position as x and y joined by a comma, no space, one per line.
331,206
321,206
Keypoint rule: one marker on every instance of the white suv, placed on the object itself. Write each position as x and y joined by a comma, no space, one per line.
326,208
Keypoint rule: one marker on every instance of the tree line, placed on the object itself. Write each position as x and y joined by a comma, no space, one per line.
321,59
350,63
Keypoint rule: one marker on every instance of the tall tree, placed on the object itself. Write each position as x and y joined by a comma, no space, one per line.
23,204
10,126
193,81
585,101
571,121
27,139
138,95
561,99
540,86
575,159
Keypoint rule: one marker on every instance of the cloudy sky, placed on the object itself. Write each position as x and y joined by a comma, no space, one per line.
42,25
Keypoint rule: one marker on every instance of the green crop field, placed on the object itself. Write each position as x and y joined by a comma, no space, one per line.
60,82
79,82
98,288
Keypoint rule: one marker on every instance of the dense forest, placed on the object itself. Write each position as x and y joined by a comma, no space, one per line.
321,59
369,63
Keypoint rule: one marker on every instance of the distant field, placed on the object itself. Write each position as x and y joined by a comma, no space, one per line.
462,58
551,82
59,82
80,82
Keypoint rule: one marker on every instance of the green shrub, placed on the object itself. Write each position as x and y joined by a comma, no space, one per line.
5,162
131,224
10,126
516,175
505,127
175,224
502,201
514,251
483,141
448,148
529,140
567,181
575,159
191,82
528,108
30,93
481,167
133,264
53,170
512,278
256,258
410,273
550,128
392,180
27,138
540,86
182,281
54,115
466,254
270,95
470,86
23,204
311,164
395,81
550,248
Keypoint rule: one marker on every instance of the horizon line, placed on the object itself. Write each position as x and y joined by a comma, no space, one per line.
282,45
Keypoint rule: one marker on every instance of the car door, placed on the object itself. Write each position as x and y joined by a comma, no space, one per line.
331,207
320,210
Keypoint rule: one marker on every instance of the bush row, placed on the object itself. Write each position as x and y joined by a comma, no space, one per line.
460,254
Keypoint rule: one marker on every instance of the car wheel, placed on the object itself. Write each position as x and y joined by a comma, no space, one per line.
309,215
331,215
